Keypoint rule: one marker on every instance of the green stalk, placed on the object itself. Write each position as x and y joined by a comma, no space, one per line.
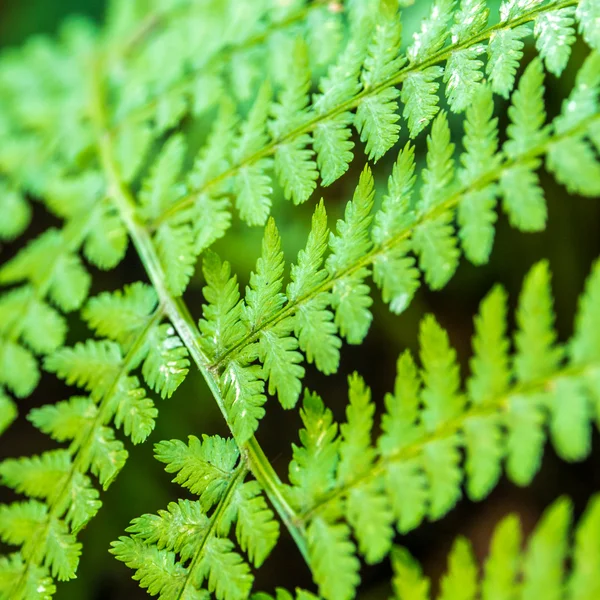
176,310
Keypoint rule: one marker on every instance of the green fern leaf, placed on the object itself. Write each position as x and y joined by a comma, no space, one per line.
156,570
18,369
121,315
176,252
393,270
227,574
420,99
66,420
313,323
106,243
333,146
460,581
213,157
131,148
211,218
435,243
334,565
526,437
523,197
23,523
38,476
243,391
527,113
583,582
555,33
582,103
313,465
490,366
256,529
383,60
85,502
368,513
350,296
574,164
166,363
470,18
37,586
440,164
280,358
546,553
375,121
541,569
294,163
221,325
462,76
135,412
505,51
408,581
587,14
263,296
585,345
159,189
177,529
203,467
8,411
433,32
476,213
537,352
107,455
282,594
16,213
92,365
504,561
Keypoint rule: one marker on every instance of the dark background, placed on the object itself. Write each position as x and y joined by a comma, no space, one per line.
571,243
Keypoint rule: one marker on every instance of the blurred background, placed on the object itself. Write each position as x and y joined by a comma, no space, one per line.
571,243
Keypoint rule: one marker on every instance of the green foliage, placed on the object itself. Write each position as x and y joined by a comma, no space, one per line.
540,570
346,488
176,124
59,478
186,550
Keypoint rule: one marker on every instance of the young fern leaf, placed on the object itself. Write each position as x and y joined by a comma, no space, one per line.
191,538
343,486
540,570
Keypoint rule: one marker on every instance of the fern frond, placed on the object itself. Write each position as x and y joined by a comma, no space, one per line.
343,485
374,95
540,570
187,546
320,302
59,478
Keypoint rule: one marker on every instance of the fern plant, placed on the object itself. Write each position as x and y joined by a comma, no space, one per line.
179,123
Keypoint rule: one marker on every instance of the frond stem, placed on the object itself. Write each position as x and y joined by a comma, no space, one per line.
176,310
